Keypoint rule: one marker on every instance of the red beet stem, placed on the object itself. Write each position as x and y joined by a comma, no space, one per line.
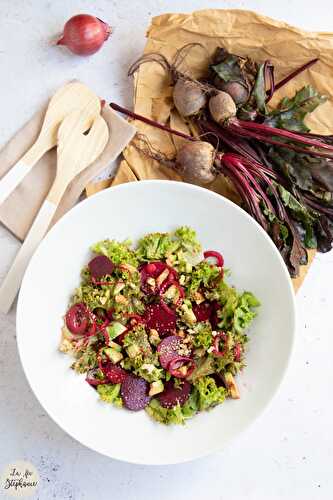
293,136
264,133
297,71
229,138
153,123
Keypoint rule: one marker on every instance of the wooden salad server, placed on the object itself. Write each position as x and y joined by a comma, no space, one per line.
74,95
75,152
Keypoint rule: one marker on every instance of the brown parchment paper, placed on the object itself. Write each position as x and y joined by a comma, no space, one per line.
239,31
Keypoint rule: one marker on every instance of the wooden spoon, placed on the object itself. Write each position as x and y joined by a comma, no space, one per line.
69,97
76,151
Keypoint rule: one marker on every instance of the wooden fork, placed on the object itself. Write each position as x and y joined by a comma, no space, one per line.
76,151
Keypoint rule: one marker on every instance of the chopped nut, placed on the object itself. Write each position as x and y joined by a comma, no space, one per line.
181,333
120,299
128,267
65,345
198,297
103,300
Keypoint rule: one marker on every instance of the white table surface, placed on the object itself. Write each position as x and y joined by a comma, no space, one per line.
288,452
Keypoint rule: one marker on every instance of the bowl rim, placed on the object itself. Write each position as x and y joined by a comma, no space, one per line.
182,185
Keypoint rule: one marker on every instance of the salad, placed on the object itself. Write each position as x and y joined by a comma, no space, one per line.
157,327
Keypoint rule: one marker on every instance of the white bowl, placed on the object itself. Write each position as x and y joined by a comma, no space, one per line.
131,210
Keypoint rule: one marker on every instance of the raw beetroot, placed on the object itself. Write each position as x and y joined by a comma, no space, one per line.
202,311
154,270
100,266
114,373
134,393
172,395
168,349
160,318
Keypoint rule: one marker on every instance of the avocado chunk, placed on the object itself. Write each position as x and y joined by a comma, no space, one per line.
154,337
115,346
113,355
156,387
133,350
188,314
114,329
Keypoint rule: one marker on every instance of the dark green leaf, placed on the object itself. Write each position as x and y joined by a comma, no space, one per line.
306,172
290,113
301,214
324,229
229,69
259,90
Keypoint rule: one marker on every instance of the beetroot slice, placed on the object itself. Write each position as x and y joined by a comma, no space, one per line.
153,270
172,395
114,373
202,311
168,350
134,393
160,318
214,320
100,266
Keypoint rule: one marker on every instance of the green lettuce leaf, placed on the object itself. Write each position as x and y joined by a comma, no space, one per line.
202,336
203,274
110,393
155,246
244,312
119,253
165,415
208,394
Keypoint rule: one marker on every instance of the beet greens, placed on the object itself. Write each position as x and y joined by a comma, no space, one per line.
282,172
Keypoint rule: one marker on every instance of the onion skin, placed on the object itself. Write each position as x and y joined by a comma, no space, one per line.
195,162
188,97
222,107
84,34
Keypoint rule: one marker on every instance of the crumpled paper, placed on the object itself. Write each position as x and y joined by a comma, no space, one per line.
239,31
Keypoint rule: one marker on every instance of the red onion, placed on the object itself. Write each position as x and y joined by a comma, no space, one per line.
216,255
217,347
84,34
179,362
